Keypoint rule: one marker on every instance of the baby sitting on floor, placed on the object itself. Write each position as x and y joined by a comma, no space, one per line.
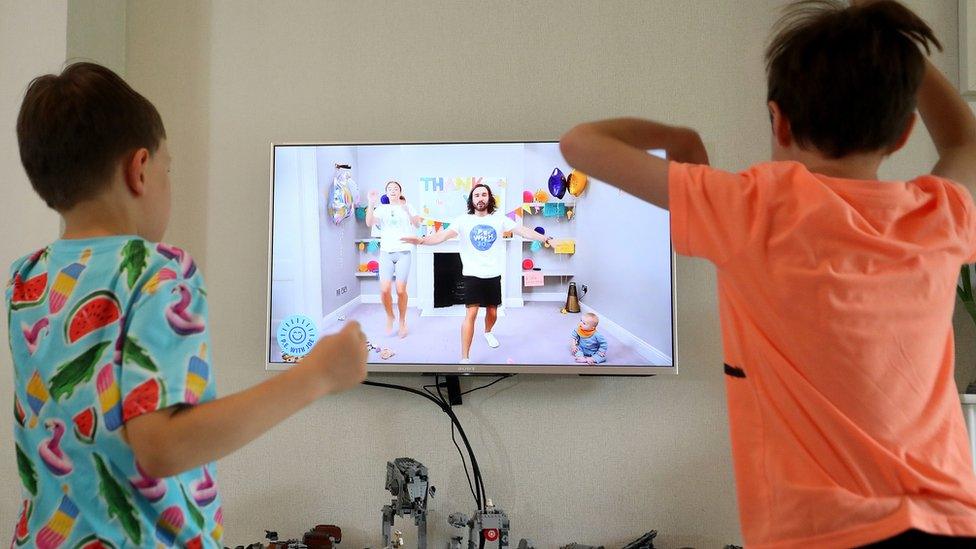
586,344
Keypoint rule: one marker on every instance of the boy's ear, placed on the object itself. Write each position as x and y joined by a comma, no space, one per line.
134,171
780,126
906,133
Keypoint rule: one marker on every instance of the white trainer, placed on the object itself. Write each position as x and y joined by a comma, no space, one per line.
464,361
492,340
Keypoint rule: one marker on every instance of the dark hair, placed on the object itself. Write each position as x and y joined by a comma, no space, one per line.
74,128
491,199
846,78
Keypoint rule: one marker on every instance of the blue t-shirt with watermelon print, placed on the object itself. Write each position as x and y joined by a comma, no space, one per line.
103,330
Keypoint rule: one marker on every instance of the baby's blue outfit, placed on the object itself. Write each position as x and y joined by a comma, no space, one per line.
594,346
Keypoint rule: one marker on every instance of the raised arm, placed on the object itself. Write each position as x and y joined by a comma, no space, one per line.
952,126
431,239
615,151
530,234
175,439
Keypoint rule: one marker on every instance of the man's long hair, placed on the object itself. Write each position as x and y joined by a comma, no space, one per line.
491,199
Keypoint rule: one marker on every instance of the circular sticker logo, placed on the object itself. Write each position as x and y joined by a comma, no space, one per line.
482,237
296,335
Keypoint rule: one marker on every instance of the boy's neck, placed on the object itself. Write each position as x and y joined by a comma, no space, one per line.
97,217
853,166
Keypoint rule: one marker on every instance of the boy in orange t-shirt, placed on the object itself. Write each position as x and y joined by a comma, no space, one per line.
836,290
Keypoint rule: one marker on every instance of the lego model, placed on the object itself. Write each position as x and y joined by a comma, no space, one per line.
492,523
406,479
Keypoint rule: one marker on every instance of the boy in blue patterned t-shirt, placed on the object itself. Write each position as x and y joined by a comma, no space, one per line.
117,420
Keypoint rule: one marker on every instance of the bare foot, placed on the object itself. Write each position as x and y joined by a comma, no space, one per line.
389,325
402,332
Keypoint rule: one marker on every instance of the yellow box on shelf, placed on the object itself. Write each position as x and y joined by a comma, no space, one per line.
564,246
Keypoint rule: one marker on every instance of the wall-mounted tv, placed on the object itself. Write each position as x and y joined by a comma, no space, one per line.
466,258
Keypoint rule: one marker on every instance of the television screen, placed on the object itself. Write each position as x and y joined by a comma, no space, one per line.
466,257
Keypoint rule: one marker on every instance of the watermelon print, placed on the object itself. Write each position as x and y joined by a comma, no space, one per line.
86,424
93,542
100,329
22,533
96,311
28,293
134,257
146,397
77,370
19,414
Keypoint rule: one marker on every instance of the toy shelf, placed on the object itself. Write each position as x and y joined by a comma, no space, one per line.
541,204
366,240
367,275
550,273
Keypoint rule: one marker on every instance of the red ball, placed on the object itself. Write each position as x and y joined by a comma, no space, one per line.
527,196
527,265
373,266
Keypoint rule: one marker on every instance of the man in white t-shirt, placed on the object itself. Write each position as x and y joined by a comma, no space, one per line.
394,221
482,250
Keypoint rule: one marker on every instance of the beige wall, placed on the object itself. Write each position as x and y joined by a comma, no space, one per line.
96,32
32,42
570,459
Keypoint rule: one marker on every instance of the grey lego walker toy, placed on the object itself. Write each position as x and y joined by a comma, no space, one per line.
492,523
407,481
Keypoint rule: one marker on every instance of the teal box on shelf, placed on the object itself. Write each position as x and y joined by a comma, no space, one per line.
553,209
361,213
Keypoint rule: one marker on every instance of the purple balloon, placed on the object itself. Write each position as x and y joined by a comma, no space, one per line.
557,183
384,199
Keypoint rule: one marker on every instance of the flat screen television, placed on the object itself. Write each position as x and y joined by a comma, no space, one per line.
460,233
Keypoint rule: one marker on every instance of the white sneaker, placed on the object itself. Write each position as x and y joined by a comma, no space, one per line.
464,361
492,340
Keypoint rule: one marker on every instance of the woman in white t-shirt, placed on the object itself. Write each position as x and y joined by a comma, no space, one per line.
395,221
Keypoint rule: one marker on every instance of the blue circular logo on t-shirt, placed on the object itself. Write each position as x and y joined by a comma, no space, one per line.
482,237
296,335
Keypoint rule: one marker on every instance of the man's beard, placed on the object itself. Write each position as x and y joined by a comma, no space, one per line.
481,206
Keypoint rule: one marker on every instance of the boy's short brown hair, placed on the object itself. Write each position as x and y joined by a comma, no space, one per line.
846,78
75,127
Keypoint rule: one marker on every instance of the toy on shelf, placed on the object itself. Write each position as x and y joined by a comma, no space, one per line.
407,481
373,266
527,196
362,246
577,182
541,196
492,523
527,264
557,184
373,247
363,268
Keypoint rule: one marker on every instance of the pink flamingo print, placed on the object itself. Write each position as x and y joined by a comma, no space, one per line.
204,490
33,335
50,449
151,488
186,262
180,319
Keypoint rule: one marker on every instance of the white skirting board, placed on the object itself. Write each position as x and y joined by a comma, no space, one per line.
643,348
969,413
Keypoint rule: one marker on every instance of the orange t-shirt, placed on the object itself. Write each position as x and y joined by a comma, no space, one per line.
836,300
